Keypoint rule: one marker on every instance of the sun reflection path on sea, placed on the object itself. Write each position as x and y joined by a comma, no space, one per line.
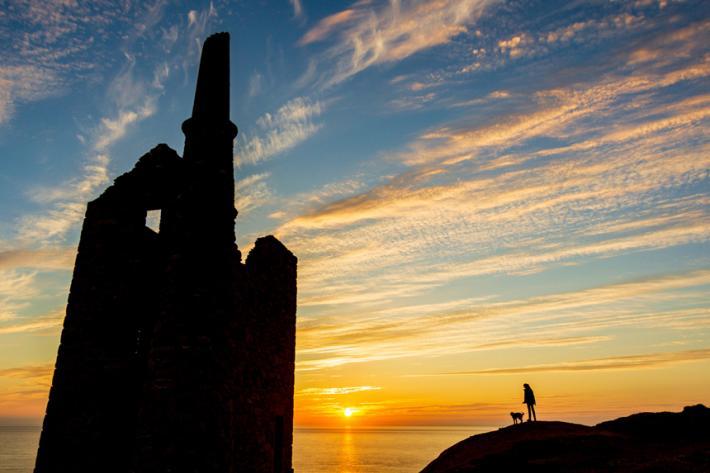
354,449
347,453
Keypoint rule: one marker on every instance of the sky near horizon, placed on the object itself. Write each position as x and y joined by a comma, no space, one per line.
481,193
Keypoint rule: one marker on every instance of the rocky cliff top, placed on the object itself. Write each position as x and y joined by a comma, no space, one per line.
646,442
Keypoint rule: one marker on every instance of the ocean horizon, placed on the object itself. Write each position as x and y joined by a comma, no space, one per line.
316,450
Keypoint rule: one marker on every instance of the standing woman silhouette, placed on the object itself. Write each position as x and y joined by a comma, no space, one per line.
529,399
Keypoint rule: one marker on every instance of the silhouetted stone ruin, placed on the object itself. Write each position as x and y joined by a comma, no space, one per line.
176,356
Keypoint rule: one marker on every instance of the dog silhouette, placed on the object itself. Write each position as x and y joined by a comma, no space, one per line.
517,416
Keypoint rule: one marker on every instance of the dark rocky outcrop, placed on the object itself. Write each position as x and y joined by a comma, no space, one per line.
647,442
175,355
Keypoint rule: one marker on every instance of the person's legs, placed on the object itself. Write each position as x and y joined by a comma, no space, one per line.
533,413
529,410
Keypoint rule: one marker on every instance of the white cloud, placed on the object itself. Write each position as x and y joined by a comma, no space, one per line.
297,8
50,322
289,126
588,316
337,391
26,83
191,17
327,26
514,46
528,44
113,129
626,362
255,84
45,258
482,197
160,75
198,25
369,36
251,192
57,45
16,290
198,21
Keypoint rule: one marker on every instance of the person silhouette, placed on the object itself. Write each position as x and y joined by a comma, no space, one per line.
529,399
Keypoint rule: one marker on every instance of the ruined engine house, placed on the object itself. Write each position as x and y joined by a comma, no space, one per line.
175,355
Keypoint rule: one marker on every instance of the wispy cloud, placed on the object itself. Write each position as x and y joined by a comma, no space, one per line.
23,390
199,19
336,391
251,192
524,44
255,84
367,35
46,258
60,47
575,318
28,372
16,289
314,198
23,83
289,126
50,323
297,8
198,25
625,362
113,129
485,198
327,26
646,33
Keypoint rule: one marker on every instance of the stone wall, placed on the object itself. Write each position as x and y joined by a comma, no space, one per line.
264,402
92,409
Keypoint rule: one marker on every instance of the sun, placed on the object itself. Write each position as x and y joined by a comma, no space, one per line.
348,412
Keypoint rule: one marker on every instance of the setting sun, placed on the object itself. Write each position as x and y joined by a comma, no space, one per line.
348,412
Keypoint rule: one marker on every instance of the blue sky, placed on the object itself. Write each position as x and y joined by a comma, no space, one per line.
476,190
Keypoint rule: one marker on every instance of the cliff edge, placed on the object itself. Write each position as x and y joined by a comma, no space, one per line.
646,442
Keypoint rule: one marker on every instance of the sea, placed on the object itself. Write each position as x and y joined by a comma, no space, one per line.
353,450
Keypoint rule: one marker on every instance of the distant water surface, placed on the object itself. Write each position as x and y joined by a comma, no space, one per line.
18,447
381,450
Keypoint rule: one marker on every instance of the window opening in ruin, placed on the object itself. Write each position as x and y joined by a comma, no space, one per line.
152,220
